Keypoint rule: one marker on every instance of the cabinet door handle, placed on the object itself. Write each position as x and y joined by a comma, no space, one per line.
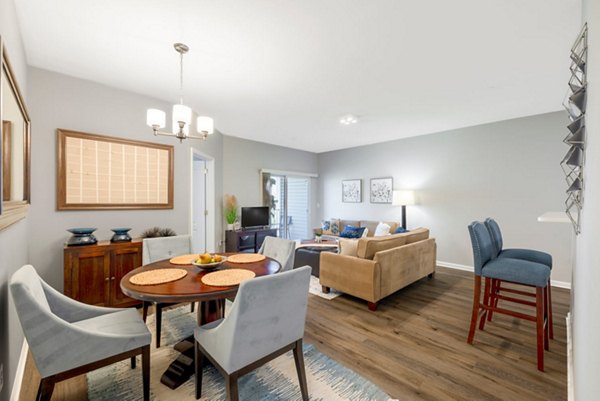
244,237
106,279
112,278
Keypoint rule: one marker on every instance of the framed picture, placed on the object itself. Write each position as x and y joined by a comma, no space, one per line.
352,191
381,190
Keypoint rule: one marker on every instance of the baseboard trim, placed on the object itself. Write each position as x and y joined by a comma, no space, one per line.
16,388
554,283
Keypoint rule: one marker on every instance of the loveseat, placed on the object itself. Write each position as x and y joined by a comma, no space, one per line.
374,267
371,225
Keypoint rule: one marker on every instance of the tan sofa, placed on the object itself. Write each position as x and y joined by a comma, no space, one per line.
370,224
382,265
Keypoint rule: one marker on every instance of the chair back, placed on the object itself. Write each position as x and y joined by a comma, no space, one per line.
165,247
495,233
483,248
268,313
280,249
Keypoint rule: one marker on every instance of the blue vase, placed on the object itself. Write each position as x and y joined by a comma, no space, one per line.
82,236
120,235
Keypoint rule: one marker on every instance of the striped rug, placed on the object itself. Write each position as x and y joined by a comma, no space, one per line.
277,380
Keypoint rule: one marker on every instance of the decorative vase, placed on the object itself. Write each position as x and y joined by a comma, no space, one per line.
121,235
229,227
81,236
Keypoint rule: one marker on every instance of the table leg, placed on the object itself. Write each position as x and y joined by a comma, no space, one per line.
182,368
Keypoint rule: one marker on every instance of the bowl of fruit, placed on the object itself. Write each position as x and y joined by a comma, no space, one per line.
208,261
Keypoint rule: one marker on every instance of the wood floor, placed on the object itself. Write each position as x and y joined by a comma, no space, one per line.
414,347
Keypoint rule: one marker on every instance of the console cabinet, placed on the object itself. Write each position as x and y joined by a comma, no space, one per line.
247,240
93,273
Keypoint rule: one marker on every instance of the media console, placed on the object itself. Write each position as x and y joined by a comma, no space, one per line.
247,240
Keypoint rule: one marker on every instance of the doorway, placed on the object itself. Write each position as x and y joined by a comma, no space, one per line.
202,202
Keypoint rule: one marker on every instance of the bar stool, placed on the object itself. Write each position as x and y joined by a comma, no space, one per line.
513,271
517,253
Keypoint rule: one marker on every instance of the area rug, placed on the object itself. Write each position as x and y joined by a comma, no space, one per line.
315,289
277,380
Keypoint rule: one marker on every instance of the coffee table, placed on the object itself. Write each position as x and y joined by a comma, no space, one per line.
309,253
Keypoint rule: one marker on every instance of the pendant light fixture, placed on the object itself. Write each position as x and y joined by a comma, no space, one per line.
182,114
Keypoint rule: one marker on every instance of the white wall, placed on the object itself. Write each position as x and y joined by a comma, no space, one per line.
508,170
14,240
58,101
585,295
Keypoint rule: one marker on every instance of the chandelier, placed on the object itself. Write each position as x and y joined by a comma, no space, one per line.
182,114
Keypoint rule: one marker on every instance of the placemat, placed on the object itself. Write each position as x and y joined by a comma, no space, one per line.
223,278
158,276
184,259
246,258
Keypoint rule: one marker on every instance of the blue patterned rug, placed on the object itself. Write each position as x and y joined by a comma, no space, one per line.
275,381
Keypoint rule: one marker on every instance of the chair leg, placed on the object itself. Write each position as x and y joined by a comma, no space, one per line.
192,305
158,310
133,361
486,300
372,306
299,359
550,322
145,310
546,327
146,371
476,298
232,387
45,390
199,366
539,313
494,298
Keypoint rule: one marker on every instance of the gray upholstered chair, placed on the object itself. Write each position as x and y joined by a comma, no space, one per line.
160,248
68,338
510,270
517,253
280,249
266,320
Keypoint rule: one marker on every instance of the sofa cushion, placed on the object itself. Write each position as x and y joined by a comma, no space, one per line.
352,232
368,247
348,246
345,223
416,235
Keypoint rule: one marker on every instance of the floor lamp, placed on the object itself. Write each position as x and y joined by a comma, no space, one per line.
403,198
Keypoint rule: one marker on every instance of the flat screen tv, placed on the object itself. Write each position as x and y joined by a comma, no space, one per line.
257,216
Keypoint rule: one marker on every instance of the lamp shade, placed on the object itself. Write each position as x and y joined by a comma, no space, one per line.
403,198
182,113
155,117
205,124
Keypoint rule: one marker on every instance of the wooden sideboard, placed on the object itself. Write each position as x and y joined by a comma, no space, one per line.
93,272
247,240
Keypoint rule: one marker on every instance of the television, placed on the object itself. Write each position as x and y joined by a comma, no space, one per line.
256,216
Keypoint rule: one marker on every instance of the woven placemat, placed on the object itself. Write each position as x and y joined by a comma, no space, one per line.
246,258
184,259
228,277
158,276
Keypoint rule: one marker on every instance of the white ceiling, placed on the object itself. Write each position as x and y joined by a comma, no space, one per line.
284,71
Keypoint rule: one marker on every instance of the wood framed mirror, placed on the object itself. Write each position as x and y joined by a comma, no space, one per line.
15,146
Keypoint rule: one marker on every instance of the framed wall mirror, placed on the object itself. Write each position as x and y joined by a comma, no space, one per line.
14,147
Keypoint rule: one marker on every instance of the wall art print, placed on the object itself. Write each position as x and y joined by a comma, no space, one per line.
381,190
352,191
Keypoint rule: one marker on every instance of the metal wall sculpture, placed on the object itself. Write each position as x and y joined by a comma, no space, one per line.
575,103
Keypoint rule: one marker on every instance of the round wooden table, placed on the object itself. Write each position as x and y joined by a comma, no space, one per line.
191,289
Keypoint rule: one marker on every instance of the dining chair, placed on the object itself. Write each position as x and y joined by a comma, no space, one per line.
280,249
517,253
160,248
509,270
266,320
67,338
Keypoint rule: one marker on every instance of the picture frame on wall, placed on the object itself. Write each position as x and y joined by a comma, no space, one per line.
381,190
352,191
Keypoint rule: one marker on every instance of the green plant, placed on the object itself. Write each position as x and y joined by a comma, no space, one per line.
230,208
155,232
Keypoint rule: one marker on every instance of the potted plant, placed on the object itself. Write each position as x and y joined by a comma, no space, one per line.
230,210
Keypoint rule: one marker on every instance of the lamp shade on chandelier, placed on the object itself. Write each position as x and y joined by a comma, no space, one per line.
182,114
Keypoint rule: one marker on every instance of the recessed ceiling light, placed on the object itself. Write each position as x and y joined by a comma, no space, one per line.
349,119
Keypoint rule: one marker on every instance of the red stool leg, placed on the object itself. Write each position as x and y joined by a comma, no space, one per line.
494,300
539,314
550,322
476,297
546,321
487,301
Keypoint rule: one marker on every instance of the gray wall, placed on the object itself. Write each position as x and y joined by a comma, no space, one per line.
243,160
59,101
586,274
509,170
13,240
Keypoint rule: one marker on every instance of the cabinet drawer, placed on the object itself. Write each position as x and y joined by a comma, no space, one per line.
246,240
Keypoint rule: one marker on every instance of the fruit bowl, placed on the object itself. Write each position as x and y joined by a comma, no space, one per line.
209,265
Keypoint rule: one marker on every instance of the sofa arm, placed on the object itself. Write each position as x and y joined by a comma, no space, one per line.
405,264
351,275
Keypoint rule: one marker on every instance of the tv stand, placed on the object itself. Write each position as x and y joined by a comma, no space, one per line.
247,240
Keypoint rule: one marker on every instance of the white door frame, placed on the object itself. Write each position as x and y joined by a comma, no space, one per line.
210,197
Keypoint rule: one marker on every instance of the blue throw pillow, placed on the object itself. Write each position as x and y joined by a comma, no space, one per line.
352,232
400,230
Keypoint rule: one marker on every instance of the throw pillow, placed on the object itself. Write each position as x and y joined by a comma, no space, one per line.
335,226
382,229
326,227
364,235
348,247
352,232
400,230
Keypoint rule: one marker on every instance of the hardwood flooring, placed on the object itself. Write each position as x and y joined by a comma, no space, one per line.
415,346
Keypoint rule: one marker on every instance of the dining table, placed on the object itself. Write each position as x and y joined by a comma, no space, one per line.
190,288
